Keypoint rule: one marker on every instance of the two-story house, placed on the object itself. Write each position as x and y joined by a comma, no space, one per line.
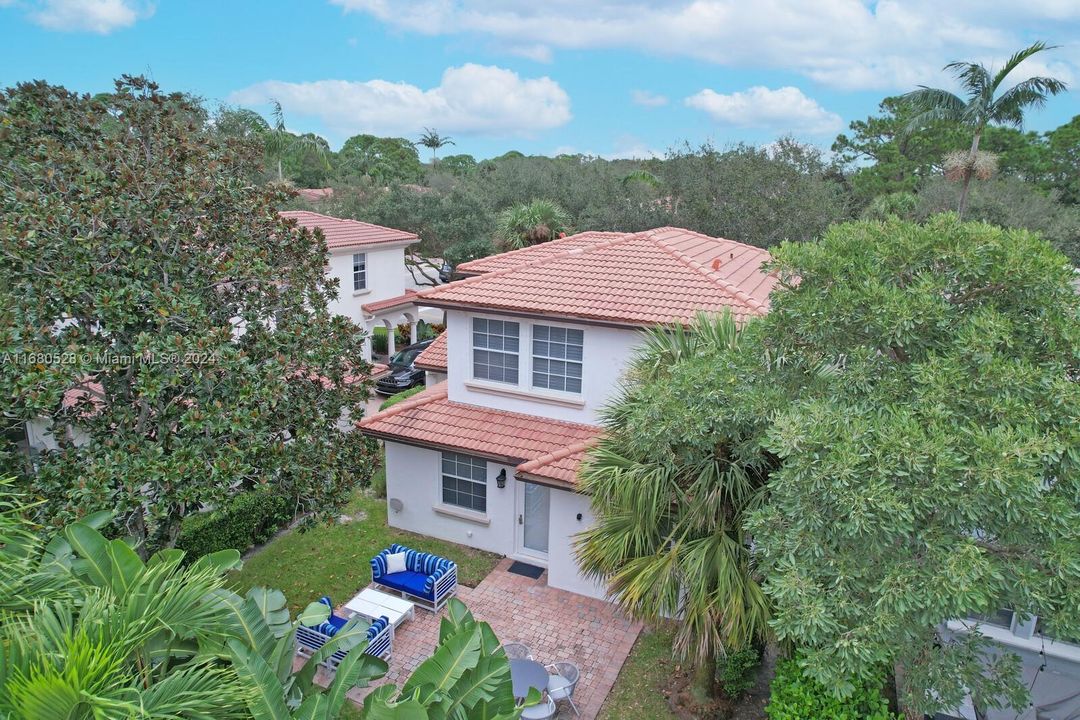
536,342
369,263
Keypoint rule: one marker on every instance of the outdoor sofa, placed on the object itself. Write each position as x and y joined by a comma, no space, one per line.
428,580
309,639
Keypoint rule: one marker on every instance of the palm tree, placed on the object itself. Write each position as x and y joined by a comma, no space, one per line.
530,223
432,140
280,141
981,108
668,538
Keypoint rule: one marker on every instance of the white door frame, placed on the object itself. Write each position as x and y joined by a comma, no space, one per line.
520,551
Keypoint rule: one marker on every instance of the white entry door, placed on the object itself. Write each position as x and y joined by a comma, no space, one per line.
534,511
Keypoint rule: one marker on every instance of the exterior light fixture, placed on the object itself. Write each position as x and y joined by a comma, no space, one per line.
500,479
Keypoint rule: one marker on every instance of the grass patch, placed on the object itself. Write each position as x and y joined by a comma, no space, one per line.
638,691
334,559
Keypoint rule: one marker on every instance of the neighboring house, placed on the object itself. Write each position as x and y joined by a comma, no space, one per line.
369,263
535,345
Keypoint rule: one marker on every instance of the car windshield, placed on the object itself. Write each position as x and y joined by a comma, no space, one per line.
405,357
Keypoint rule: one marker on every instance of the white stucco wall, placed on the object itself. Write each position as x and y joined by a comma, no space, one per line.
384,278
562,566
605,354
39,435
433,378
413,476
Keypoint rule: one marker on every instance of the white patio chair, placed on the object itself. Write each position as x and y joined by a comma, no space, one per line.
561,685
544,710
517,651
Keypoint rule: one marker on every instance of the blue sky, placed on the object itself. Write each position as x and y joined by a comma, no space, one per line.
601,77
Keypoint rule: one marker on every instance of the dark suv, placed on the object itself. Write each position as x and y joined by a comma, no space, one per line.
403,374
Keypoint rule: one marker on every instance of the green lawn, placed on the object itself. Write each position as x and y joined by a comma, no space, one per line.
334,559
637,694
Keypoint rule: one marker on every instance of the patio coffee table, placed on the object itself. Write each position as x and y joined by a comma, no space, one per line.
371,604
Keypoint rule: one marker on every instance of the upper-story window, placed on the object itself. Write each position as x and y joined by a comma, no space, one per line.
359,271
495,350
556,358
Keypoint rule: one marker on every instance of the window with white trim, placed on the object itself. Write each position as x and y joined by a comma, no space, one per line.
359,271
495,350
464,481
556,358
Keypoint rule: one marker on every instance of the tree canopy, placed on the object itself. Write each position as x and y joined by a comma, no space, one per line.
933,471
162,319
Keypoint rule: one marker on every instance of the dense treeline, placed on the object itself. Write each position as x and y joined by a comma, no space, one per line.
785,191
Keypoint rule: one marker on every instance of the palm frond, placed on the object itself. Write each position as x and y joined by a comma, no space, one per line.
1031,93
931,105
972,76
1017,58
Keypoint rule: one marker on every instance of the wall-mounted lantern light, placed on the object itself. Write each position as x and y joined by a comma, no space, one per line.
500,479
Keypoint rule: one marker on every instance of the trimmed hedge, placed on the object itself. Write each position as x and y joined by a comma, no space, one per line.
398,397
794,696
247,519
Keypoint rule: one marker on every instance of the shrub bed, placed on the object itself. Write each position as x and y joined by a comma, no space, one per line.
795,696
248,519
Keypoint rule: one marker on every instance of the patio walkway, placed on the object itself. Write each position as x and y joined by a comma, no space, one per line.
555,624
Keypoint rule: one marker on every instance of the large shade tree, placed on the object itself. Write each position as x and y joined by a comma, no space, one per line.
934,472
670,494
981,106
162,319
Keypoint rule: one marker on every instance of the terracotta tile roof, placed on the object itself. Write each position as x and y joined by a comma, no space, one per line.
342,233
315,194
664,275
389,303
551,448
533,253
434,355
87,389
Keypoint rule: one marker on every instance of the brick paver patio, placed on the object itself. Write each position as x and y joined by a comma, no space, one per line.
555,624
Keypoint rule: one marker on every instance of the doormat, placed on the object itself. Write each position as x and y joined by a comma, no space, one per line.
529,571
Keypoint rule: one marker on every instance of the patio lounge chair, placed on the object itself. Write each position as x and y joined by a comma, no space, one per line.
428,580
309,639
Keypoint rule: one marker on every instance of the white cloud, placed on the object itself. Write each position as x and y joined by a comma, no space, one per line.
648,99
469,99
785,109
539,53
98,16
850,44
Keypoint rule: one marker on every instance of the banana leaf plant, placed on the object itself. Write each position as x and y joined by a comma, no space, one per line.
466,678
262,648
114,637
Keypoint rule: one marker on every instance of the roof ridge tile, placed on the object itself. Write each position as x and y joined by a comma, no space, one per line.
732,289
529,248
535,263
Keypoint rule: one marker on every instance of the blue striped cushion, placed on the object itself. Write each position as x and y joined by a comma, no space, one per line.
377,627
433,566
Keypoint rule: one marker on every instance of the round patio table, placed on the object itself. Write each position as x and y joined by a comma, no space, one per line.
525,674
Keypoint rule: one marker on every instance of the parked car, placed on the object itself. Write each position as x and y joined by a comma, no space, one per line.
402,374
446,272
